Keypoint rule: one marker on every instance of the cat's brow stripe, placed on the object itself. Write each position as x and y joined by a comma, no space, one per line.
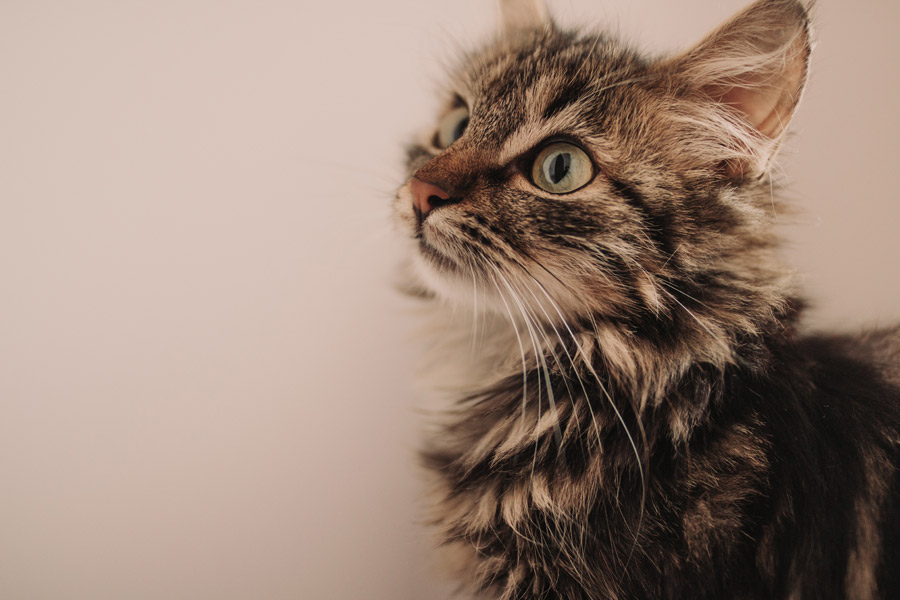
562,99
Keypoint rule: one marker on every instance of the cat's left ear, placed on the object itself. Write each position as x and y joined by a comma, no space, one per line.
756,65
519,15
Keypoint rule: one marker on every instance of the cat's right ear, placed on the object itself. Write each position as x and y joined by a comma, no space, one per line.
755,65
520,15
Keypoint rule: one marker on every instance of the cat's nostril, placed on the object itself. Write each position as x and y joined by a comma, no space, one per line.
427,197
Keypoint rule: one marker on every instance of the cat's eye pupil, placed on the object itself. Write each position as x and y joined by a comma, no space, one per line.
560,167
460,128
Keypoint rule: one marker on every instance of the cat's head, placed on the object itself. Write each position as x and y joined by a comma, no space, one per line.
569,177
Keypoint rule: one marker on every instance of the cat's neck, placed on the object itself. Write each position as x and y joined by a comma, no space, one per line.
643,362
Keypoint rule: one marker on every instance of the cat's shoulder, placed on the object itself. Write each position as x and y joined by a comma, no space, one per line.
865,364
877,347
881,347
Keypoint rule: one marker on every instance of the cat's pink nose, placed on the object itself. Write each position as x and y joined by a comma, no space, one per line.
427,197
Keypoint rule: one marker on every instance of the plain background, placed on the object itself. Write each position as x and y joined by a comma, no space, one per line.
204,372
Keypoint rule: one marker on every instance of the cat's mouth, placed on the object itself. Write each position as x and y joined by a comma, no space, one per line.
432,253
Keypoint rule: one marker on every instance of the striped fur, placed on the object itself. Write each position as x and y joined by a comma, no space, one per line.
635,413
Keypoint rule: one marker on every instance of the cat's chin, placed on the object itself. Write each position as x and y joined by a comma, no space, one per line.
441,276
467,291
438,260
508,297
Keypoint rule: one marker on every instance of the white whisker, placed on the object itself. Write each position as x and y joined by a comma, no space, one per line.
612,404
515,327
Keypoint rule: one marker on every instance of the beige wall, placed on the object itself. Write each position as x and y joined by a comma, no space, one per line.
203,370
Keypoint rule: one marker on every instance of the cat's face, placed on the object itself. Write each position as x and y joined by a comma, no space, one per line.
569,177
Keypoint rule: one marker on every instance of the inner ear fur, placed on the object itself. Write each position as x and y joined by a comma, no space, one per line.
756,65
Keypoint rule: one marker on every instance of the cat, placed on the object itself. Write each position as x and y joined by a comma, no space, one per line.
637,414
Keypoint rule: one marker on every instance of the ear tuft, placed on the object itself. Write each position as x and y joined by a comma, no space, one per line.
518,15
756,65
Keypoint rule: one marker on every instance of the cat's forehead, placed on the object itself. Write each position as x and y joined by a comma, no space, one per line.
541,84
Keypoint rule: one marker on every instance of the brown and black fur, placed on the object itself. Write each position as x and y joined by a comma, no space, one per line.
641,417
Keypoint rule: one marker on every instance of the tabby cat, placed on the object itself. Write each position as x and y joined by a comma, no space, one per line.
637,415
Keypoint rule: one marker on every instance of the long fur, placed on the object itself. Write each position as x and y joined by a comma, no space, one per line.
636,414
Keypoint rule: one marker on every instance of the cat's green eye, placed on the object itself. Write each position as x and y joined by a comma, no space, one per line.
452,126
561,168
